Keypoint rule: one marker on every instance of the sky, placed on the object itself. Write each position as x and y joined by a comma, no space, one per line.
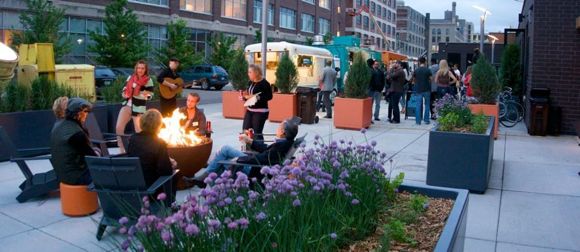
504,12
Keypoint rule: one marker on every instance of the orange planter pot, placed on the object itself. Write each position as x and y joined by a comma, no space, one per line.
283,106
352,114
488,110
232,107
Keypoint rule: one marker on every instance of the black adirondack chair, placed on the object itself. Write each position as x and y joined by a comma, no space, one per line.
34,185
100,139
120,186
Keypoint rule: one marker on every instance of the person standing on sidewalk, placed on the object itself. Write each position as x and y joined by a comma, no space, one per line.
376,87
434,69
328,79
422,88
398,81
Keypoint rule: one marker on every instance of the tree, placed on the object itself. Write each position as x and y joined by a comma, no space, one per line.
222,50
484,81
510,71
359,76
327,38
309,41
177,46
41,22
286,75
238,70
124,41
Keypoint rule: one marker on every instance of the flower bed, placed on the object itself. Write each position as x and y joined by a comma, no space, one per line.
455,115
330,197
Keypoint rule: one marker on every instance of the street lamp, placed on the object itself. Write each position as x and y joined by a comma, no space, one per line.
482,25
493,40
264,34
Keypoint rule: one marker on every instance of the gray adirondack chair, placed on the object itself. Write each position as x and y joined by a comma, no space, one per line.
101,139
120,185
34,185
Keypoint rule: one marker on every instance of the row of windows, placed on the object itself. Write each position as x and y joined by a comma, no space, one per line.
367,24
379,42
377,10
321,3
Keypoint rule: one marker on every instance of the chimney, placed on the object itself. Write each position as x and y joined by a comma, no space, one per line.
454,12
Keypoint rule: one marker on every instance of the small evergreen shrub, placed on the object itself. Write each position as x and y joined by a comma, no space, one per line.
484,81
286,75
113,92
359,76
238,71
510,72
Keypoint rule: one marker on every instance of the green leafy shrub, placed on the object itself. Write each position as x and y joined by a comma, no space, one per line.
448,122
484,81
238,71
286,75
359,76
511,69
45,91
479,123
113,92
16,98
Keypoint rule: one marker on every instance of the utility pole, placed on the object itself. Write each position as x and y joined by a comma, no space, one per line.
264,35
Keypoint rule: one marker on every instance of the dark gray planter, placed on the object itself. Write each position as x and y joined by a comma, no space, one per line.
452,237
29,130
460,160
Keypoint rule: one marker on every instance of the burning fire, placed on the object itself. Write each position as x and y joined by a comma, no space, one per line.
175,135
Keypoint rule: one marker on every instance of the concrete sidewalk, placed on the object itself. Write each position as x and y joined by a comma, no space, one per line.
533,203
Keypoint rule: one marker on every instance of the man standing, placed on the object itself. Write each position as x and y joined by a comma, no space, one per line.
376,87
328,79
434,69
168,105
422,77
396,90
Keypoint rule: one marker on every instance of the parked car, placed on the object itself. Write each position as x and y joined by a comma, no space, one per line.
122,71
104,76
206,76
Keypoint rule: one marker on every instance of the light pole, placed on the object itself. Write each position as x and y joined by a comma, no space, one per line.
493,40
264,35
482,25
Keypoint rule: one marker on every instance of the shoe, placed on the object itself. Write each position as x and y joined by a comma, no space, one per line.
377,119
427,123
395,122
328,117
372,122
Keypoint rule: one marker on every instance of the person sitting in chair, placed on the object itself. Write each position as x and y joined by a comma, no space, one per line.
195,117
70,143
265,154
152,150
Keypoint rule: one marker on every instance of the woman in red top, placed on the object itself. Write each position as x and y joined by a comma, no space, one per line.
467,81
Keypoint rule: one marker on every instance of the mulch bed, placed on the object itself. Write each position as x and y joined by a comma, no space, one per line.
425,231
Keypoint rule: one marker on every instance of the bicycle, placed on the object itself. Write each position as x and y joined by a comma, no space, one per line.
511,111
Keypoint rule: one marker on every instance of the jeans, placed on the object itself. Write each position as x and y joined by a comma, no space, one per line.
225,153
376,96
394,106
419,106
255,121
327,102
442,91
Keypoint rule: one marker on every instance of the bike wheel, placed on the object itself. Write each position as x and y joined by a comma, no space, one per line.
521,111
502,109
512,115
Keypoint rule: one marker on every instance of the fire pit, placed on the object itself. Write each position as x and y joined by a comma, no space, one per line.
191,151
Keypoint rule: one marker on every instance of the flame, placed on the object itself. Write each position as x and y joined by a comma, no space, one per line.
175,135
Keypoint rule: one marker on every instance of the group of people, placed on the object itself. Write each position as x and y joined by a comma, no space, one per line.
70,140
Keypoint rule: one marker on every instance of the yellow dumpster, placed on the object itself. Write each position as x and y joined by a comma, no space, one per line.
79,77
40,54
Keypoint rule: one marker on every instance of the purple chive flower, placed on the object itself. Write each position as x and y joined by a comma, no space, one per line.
260,216
363,130
214,223
123,230
125,245
228,200
166,236
240,199
233,225
243,222
317,137
333,236
373,143
296,203
161,196
355,202
192,229
123,220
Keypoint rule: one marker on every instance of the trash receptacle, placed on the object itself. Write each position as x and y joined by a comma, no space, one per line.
307,104
539,111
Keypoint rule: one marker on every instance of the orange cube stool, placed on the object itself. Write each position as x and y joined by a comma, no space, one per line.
76,200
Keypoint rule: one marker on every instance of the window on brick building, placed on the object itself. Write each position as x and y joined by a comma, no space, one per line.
307,23
234,9
203,6
287,18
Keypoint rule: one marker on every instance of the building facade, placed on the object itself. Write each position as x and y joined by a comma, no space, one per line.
551,55
450,29
292,21
410,31
363,27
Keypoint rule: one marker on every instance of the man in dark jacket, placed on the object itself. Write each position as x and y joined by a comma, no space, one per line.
376,87
266,154
396,90
69,144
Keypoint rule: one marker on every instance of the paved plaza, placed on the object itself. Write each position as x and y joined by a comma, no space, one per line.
532,204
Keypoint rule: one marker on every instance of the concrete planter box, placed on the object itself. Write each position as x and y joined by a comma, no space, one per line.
29,130
460,160
452,237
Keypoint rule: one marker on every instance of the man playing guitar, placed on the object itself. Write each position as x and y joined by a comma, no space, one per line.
169,104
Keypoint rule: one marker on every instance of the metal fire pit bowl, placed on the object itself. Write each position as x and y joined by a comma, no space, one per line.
190,160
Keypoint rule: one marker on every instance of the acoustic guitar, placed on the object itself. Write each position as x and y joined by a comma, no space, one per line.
169,93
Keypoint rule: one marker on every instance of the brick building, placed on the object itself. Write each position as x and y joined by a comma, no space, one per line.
289,20
362,26
552,54
410,31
